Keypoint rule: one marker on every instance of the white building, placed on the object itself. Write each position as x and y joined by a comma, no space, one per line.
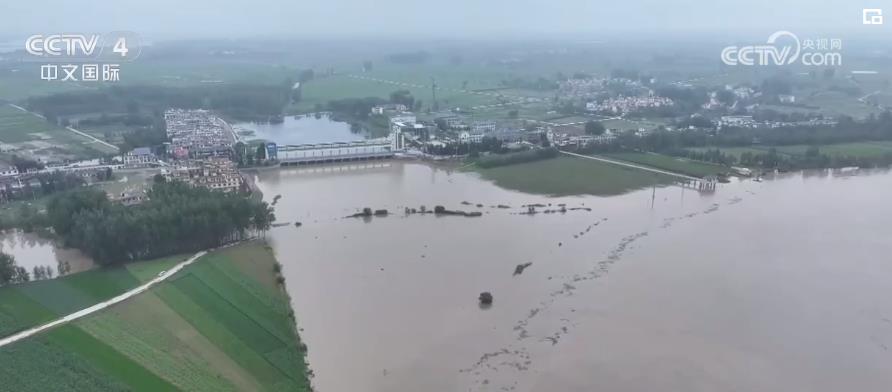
390,107
483,127
404,117
397,140
139,157
787,98
737,122
467,137
8,171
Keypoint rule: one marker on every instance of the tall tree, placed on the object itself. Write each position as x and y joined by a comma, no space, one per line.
7,268
594,128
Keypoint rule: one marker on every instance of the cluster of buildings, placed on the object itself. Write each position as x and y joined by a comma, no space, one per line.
389,108
197,134
201,146
595,87
742,95
216,173
622,105
446,130
750,122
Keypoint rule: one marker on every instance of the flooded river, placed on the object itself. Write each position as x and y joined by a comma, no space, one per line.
778,285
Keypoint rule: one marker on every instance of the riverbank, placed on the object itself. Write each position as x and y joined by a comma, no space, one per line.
222,323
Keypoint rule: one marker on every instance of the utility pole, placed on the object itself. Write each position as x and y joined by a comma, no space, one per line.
653,197
434,105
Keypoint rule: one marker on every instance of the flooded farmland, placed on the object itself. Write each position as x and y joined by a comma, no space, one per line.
774,286
30,250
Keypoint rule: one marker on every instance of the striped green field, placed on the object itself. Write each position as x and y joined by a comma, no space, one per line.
212,327
565,175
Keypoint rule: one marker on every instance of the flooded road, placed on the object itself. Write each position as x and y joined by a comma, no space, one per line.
773,286
30,250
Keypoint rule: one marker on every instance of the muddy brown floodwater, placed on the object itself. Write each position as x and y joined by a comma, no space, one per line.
30,250
780,285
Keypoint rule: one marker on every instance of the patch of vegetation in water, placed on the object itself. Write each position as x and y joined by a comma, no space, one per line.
564,176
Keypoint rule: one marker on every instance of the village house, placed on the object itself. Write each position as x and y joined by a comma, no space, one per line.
139,157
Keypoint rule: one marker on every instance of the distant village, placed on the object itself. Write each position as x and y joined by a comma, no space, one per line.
200,150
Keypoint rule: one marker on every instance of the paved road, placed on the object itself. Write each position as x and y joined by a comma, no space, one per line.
102,305
95,140
632,165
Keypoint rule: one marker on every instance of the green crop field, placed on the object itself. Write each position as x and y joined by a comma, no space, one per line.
324,89
38,365
212,327
673,164
25,131
563,176
17,126
145,271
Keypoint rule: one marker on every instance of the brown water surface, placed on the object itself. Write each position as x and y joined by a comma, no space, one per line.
781,285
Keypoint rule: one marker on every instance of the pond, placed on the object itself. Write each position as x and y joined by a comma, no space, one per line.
30,250
303,129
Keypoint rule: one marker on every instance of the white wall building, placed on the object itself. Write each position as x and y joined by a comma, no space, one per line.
397,140
467,137
7,171
139,157
405,117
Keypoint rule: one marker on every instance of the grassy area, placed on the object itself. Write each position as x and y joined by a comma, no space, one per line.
17,126
38,365
27,134
627,124
212,327
673,164
324,89
145,271
571,176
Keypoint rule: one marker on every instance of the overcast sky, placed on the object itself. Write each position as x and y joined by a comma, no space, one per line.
166,19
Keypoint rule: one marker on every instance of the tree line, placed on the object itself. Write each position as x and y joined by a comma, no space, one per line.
473,150
176,218
246,102
517,157
813,158
874,128
46,184
10,272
